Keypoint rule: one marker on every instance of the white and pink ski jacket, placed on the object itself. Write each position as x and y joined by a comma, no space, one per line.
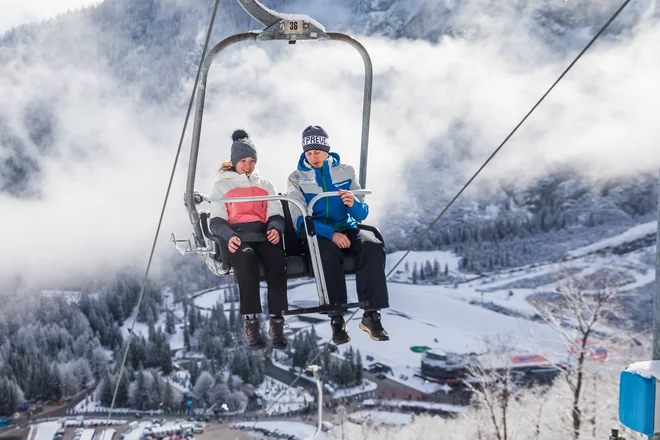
247,220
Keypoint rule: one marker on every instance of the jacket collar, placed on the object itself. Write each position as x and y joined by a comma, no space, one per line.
332,161
228,175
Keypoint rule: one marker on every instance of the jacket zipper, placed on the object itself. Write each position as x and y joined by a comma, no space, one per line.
326,199
251,192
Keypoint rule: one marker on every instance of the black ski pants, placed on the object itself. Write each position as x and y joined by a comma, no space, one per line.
246,268
370,269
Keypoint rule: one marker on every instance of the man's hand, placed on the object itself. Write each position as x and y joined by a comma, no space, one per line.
233,244
273,236
347,197
341,240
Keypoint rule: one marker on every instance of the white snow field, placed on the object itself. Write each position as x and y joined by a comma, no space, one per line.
46,430
384,417
631,234
453,317
294,398
298,429
433,316
449,317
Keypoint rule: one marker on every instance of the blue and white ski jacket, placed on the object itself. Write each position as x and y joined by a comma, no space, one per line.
330,214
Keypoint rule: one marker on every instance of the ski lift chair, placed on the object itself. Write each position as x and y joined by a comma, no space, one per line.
302,258
299,258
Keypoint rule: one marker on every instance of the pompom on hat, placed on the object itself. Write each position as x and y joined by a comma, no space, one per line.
241,147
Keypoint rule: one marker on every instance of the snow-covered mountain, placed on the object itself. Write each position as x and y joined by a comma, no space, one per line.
93,104
518,223
150,47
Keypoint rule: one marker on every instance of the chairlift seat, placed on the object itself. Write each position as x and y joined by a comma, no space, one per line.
298,264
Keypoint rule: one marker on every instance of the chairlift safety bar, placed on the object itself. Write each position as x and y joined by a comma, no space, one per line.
312,240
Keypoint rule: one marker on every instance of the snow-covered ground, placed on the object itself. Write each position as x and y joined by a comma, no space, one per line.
178,379
46,430
177,385
107,434
364,388
452,318
136,433
95,406
85,406
88,434
457,318
294,398
433,316
298,429
419,404
176,340
420,258
495,289
209,299
141,328
631,234
384,417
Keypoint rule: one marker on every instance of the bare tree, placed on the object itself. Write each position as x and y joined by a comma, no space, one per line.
341,419
493,386
581,306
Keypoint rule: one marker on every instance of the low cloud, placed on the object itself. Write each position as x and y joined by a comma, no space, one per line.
103,181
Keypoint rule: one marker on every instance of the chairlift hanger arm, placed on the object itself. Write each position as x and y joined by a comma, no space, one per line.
197,128
259,12
366,101
269,17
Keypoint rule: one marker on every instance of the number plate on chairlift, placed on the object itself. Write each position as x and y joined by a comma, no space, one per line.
294,27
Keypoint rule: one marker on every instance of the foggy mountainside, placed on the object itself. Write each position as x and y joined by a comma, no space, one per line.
146,49
513,225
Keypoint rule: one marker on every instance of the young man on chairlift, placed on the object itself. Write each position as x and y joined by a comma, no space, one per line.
252,231
335,221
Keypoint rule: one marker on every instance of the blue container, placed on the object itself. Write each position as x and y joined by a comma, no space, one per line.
637,403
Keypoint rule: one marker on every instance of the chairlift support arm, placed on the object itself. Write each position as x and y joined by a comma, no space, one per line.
259,12
197,129
270,18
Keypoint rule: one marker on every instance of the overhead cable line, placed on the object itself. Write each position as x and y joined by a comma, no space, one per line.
618,11
162,212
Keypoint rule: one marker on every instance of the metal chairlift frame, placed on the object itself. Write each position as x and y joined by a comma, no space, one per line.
291,28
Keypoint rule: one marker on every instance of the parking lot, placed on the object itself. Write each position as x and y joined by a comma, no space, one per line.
212,430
